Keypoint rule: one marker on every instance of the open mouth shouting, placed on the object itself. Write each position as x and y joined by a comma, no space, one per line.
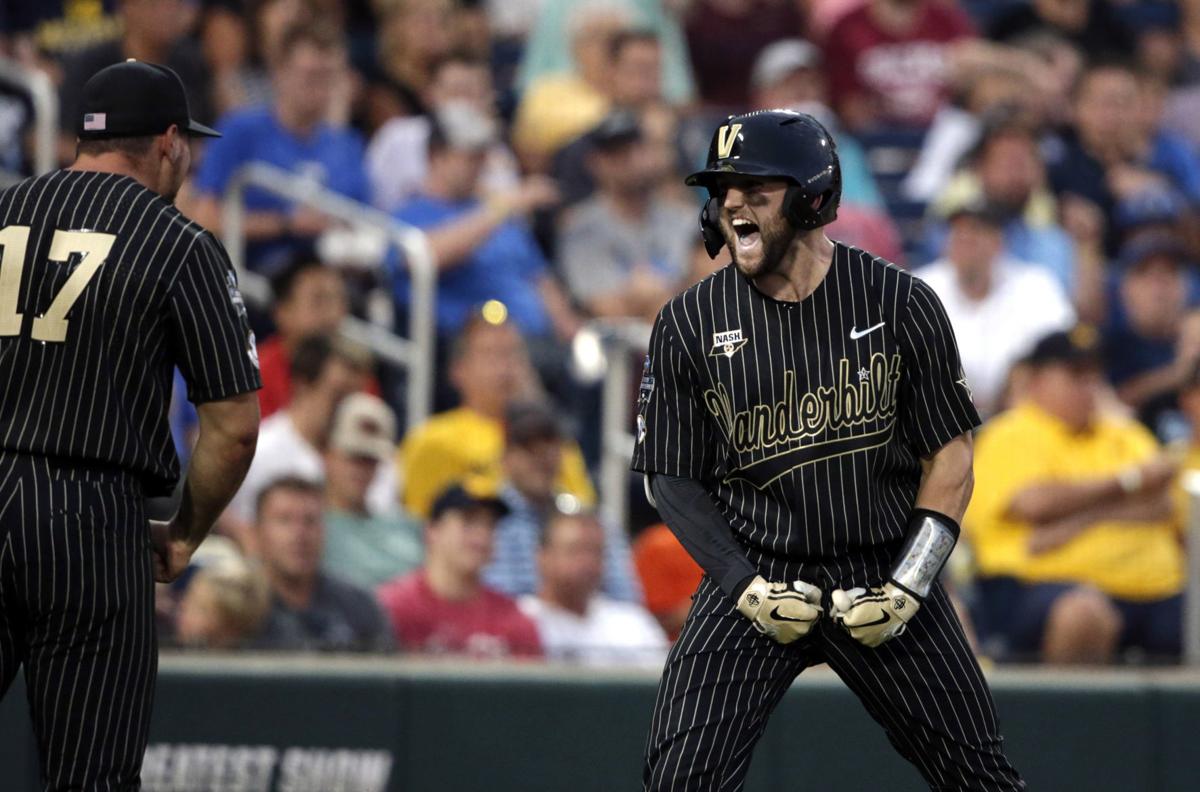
746,233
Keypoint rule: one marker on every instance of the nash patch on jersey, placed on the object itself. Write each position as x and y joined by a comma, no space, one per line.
727,343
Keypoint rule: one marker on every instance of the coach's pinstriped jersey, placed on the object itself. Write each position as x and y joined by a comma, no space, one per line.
807,420
104,288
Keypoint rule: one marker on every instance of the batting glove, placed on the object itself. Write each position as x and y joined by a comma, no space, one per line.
875,615
783,612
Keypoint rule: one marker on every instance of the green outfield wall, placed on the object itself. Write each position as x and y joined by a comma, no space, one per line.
262,724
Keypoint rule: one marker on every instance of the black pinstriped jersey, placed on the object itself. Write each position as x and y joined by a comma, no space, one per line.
104,288
806,420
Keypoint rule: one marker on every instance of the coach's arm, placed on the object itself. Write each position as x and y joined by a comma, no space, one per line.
225,446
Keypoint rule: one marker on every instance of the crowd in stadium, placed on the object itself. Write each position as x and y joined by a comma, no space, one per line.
1036,161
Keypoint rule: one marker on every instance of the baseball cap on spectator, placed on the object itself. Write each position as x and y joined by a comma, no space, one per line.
464,496
460,126
781,59
364,426
525,424
617,129
136,99
1150,245
1078,348
1154,206
979,208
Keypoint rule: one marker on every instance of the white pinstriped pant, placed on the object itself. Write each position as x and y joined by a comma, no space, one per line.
723,679
77,610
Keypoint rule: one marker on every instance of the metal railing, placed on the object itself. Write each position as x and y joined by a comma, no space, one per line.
415,353
620,342
45,111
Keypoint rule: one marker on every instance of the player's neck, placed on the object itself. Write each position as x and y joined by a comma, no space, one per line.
805,264
115,162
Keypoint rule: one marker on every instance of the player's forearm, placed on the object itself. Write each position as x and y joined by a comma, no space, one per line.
692,516
947,479
224,449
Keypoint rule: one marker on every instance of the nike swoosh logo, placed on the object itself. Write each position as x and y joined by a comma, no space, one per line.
856,334
777,616
884,618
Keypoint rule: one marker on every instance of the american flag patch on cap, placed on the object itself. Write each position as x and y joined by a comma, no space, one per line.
95,122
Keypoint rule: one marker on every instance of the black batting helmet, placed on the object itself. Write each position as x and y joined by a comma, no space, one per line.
777,144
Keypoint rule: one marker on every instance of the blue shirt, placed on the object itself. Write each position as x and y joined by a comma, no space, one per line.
333,156
507,267
514,570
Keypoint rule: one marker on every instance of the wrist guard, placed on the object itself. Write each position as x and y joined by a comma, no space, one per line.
931,538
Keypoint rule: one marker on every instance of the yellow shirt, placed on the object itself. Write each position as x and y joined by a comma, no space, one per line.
554,111
460,443
1024,446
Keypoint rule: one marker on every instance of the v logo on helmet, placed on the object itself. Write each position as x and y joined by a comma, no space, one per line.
726,135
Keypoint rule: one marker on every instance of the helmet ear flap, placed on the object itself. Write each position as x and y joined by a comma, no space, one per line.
710,228
806,212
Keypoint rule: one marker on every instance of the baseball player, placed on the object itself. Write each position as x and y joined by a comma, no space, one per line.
805,430
104,289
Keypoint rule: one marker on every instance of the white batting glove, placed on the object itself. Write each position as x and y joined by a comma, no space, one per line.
872,616
783,612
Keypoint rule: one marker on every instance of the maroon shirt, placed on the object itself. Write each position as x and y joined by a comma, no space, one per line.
905,74
489,625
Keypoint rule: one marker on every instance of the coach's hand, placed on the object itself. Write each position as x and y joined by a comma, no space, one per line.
171,554
783,612
873,616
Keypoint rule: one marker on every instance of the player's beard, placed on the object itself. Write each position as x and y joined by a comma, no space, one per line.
767,254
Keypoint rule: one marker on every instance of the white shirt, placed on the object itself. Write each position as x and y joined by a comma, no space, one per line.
283,451
611,633
1024,304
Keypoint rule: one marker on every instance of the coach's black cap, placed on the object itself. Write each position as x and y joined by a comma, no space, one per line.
136,99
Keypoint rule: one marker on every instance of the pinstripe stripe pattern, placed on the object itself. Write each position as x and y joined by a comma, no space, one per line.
77,609
84,437
164,297
807,421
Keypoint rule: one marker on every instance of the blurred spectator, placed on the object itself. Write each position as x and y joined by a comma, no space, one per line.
413,35
624,251
563,104
1089,24
535,448
325,370
983,289
310,299
292,133
551,49
576,623
1071,521
52,30
1005,170
444,608
1151,338
481,249
152,30
310,610
1113,150
398,156
224,605
241,39
893,61
721,81
669,576
361,546
489,366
